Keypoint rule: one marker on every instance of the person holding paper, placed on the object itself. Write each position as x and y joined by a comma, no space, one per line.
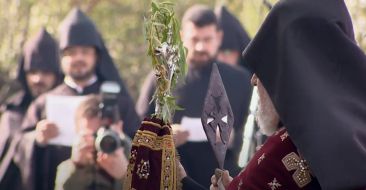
38,72
86,167
86,63
201,35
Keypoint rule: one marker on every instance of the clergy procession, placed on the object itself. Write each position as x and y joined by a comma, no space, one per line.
218,107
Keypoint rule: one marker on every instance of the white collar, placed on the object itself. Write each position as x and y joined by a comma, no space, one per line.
69,82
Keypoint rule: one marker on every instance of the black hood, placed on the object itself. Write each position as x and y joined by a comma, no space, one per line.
235,37
306,56
39,53
77,29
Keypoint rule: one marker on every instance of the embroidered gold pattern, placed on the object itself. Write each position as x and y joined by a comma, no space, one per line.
258,147
143,169
150,140
131,165
279,131
302,175
165,144
284,136
274,184
260,159
240,184
168,167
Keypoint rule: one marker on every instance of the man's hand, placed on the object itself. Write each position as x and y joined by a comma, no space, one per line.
45,131
225,180
83,150
114,164
180,135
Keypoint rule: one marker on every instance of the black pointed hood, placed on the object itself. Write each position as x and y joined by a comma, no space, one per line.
306,57
235,37
39,53
77,29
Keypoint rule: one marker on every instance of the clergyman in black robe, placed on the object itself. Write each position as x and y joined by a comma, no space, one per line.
197,157
306,56
78,37
38,71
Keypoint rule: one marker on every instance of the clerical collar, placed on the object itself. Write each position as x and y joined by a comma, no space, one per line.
69,82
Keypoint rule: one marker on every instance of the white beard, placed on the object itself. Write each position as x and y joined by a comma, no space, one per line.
266,116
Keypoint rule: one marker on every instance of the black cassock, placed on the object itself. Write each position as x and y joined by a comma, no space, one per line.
39,54
197,157
38,164
11,120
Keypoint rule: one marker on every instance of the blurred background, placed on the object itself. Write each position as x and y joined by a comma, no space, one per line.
121,24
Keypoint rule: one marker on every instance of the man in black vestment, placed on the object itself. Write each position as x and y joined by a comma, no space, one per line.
202,37
85,63
38,72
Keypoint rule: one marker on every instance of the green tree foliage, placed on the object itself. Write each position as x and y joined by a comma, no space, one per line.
358,14
168,56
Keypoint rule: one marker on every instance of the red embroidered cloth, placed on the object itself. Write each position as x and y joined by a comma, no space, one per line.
152,163
276,166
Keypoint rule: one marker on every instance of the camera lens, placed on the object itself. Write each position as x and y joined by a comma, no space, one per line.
108,144
107,141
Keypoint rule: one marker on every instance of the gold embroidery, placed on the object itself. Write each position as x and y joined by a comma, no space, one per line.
143,169
284,136
168,169
259,147
240,184
274,184
151,140
153,124
131,165
279,130
302,175
260,159
165,144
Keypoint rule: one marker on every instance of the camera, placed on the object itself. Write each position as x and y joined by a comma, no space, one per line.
107,140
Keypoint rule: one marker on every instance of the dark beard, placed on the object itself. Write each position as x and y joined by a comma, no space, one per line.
195,64
82,77
200,64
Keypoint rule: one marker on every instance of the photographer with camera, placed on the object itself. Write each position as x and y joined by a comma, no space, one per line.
99,155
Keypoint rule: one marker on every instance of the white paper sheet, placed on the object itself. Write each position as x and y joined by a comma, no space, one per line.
195,129
61,111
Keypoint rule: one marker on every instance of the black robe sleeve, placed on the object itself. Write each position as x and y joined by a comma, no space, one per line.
189,184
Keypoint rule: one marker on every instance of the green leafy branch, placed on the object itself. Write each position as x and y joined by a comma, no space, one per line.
167,54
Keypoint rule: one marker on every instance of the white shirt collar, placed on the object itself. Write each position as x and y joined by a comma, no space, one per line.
69,82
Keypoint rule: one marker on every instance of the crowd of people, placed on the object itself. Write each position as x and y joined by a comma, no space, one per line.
304,62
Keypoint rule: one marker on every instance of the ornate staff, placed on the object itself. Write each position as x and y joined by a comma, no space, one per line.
153,159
